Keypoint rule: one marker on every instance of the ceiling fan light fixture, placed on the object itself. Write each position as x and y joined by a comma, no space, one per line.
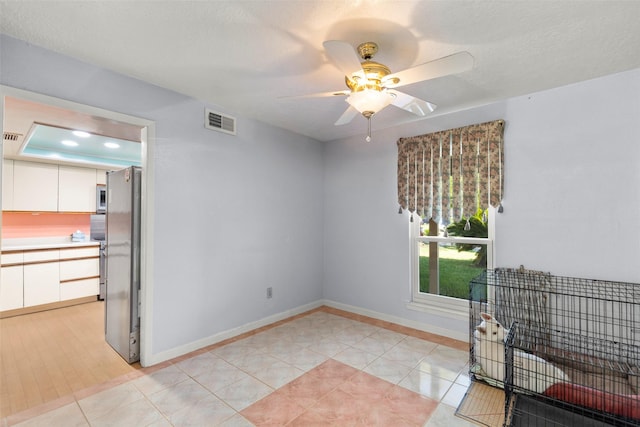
370,101
372,86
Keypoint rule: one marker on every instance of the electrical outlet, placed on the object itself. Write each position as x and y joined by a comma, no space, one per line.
269,292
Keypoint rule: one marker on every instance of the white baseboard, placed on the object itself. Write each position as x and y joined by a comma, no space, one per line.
221,336
458,335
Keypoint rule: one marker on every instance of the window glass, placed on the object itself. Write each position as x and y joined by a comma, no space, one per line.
447,257
447,268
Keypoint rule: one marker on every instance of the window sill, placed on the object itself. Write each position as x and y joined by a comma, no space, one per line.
450,311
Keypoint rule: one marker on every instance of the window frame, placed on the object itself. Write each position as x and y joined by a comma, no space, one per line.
441,304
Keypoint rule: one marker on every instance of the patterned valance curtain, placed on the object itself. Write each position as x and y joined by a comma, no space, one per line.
450,174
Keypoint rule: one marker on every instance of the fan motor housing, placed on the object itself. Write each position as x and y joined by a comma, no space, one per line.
374,72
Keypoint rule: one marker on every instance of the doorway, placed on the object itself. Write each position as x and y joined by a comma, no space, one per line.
70,111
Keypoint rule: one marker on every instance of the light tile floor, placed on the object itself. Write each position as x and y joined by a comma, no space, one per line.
319,369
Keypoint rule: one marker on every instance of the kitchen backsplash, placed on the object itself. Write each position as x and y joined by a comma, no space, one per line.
43,224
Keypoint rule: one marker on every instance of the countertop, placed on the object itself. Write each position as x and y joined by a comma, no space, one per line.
35,243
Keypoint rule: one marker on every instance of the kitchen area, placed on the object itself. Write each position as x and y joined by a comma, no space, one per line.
42,268
70,202
43,271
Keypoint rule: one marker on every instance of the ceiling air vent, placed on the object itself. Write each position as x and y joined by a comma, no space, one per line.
220,122
11,136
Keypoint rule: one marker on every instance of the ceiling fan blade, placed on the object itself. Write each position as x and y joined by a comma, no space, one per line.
318,95
347,116
412,104
344,56
452,64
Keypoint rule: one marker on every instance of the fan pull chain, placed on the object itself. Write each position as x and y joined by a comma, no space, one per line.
368,138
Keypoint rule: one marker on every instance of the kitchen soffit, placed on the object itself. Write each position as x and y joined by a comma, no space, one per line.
22,115
56,143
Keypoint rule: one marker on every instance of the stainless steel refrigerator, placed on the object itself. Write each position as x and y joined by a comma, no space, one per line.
122,296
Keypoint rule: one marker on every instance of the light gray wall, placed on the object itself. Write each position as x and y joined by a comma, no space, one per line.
571,204
573,180
270,208
233,215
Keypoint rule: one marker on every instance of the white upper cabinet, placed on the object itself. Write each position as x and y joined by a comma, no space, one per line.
101,177
35,186
7,185
77,189
44,187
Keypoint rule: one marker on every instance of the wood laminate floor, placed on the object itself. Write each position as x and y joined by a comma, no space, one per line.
51,354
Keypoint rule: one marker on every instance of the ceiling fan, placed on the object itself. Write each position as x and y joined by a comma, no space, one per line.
371,85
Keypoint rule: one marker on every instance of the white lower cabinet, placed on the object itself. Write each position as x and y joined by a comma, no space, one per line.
11,288
36,277
41,283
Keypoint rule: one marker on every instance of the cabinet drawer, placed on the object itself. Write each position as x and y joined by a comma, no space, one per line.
79,269
12,258
79,289
84,252
37,256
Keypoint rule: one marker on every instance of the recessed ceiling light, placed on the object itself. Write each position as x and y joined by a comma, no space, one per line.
111,145
81,133
69,143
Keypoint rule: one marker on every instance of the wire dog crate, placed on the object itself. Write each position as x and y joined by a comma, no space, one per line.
571,355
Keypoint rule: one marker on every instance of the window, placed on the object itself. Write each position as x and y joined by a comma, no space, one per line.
443,265
452,179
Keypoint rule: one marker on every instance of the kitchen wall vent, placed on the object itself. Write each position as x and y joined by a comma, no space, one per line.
11,136
220,122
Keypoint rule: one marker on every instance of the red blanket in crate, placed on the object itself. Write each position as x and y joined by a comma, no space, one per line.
623,405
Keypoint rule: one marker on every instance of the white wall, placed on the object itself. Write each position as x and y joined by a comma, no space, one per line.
233,215
571,204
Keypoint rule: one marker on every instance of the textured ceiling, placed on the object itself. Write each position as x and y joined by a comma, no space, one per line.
244,56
